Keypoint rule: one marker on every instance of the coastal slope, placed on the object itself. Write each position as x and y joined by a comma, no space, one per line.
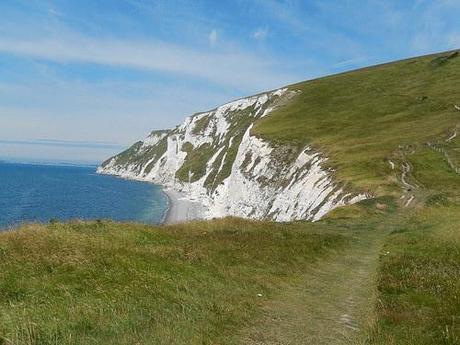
214,158
299,152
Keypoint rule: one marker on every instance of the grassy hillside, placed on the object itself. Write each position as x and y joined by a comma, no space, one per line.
106,283
237,282
198,283
419,281
363,118
419,275
384,271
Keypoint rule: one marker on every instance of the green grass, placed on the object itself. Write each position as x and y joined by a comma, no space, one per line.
195,162
107,283
438,179
419,275
419,285
125,157
359,119
201,124
138,156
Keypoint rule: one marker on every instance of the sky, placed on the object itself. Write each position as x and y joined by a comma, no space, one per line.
82,80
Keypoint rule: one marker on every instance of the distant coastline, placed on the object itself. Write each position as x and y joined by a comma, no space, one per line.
167,211
49,163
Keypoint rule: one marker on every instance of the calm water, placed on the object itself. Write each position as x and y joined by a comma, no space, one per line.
30,193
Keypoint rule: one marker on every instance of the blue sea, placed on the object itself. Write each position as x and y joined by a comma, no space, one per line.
40,193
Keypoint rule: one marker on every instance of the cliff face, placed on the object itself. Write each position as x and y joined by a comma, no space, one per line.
213,158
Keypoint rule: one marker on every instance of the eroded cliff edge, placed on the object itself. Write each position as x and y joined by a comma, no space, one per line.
213,158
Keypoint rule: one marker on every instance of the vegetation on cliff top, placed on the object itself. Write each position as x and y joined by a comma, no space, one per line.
360,119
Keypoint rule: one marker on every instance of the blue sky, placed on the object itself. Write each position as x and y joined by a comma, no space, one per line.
79,80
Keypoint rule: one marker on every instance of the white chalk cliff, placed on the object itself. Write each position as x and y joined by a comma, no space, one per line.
213,158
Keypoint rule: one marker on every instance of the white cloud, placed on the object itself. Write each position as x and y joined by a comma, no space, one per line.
60,106
213,36
103,111
260,34
228,68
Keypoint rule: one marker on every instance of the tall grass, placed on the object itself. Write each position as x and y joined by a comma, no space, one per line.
419,281
107,283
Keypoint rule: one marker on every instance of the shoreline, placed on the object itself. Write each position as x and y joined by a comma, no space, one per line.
168,208
180,209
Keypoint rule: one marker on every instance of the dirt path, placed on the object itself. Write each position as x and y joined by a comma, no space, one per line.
408,188
406,170
332,304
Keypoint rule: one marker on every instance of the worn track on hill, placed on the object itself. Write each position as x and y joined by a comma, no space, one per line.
331,304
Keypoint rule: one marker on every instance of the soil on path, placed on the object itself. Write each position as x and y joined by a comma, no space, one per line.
332,303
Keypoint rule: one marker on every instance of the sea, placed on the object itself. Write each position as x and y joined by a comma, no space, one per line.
44,193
